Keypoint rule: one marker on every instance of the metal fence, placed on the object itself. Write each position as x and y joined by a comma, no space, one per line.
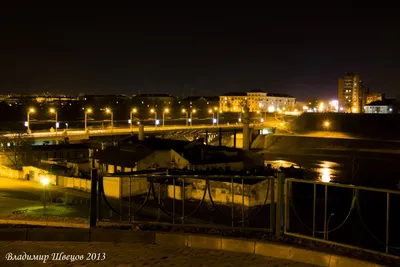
345,215
198,201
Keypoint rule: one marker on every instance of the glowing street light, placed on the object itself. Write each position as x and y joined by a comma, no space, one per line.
109,111
191,116
327,124
163,116
187,116
133,111
271,109
87,111
30,111
53,111
155,116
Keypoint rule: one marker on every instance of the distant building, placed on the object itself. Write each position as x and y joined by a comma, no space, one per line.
257,101
385,106
372,97
351,93
201,103
153,100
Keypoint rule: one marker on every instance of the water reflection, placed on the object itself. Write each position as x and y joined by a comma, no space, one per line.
325,171
325,175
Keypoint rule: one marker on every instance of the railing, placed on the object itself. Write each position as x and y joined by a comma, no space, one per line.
211,201
350,216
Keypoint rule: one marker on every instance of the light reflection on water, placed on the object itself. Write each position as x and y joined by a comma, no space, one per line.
325,171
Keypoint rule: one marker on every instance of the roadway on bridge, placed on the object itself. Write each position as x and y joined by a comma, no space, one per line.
119,131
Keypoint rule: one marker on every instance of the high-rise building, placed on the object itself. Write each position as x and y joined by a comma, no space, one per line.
351,93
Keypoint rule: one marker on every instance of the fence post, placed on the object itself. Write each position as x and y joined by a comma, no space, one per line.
93,198
280,204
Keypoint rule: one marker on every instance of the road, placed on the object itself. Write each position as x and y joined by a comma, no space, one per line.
137,255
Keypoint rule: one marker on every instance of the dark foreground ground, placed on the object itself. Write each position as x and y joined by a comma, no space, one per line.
134,255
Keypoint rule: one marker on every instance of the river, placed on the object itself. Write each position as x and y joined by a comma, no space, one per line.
368,169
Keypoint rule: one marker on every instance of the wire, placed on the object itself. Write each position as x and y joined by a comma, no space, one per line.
244,219
322,232
171,215
369,231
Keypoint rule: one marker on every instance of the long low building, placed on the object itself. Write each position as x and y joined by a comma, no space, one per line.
257,101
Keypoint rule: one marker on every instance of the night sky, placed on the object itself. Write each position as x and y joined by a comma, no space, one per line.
301,52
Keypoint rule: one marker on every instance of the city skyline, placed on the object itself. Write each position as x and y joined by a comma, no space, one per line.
199,52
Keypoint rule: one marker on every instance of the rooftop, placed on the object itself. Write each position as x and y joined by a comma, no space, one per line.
206,98
384,102
60,147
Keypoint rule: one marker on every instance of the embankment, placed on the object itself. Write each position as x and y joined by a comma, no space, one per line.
297,144
374,126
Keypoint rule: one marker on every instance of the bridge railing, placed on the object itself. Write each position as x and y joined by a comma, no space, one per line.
350,216
195,201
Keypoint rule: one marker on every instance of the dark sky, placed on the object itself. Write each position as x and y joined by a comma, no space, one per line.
300,51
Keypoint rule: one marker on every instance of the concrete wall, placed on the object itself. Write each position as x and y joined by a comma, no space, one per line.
221,192
359,125
116,187
35,175
235,166
276,143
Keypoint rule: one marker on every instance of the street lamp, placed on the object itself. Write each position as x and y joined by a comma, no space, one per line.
87,111
45,181
163,115
213,115
31,110
155,116
109,111
187,116
191,116
218,112
133,111
52,110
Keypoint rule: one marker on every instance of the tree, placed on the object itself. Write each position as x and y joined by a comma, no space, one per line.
16,150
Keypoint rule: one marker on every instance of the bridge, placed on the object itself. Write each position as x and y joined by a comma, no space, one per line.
79,134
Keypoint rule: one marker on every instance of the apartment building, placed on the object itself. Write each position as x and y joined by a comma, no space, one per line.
257,101
351,93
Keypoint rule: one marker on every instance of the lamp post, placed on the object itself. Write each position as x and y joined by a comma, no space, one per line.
52,110
163,116
109,111
155,116
31,110
87,111
187,116
191,116
133,111
218,111
45,182
213,115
